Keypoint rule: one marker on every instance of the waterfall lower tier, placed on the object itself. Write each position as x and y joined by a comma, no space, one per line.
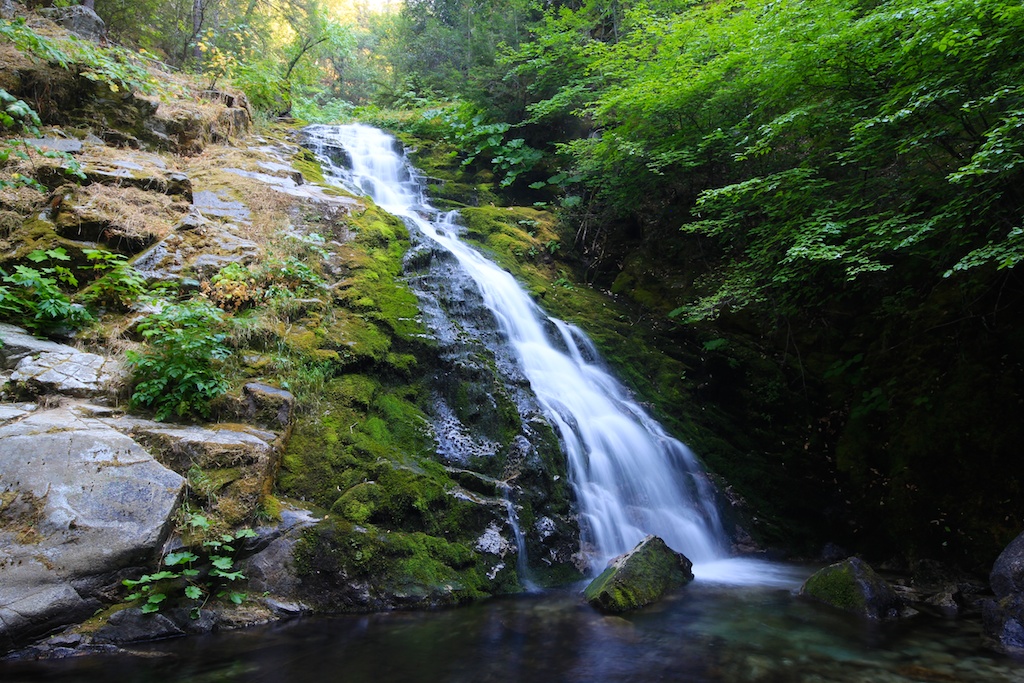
629,476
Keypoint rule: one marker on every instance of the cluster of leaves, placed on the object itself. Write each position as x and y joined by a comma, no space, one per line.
819,145
465,127
178,373
199,575
35,298
118,284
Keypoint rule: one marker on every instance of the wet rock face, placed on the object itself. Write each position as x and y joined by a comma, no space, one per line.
639,578
853,586
485,418
1007,577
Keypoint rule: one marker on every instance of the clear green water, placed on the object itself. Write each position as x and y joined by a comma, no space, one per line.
702,633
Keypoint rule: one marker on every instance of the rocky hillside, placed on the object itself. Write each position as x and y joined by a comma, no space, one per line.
216,385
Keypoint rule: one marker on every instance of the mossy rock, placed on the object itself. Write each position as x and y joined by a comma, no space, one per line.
640,577
345,567
853,586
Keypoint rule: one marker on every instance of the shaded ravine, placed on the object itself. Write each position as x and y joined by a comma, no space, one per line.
630,477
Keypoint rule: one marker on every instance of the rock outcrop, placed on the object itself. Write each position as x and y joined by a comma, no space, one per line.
78,19
79,504
640,577
853,586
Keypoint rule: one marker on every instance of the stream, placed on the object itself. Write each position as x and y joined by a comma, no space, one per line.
705,632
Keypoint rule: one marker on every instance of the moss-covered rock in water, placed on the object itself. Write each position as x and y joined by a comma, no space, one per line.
344,567
639,577
853,586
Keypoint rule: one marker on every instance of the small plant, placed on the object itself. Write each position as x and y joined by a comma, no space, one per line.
236,287
18,115
36,300
178,373
464,127
119,283
199,576
117,67
233,288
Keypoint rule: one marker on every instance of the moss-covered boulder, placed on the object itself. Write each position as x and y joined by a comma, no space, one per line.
639,577
853,586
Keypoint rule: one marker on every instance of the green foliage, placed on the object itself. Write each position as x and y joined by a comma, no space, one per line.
199,574
820,146
178,374
465,127
35,299
116,67
118,284
236,287
24,120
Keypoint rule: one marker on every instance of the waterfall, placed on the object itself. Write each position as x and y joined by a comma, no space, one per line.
630,477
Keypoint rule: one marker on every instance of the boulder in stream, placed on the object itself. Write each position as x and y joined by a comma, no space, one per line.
640,577
853,586
1004,616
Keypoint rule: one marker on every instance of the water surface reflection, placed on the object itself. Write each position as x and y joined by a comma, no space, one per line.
703,633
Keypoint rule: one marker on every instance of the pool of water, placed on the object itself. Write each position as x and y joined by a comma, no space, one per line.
705,632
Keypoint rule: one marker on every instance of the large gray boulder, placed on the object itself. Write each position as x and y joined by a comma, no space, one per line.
17,344
78,19
640,577
1004,616
232,464
853,586
79,503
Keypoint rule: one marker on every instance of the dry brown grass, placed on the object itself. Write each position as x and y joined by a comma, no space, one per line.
132,212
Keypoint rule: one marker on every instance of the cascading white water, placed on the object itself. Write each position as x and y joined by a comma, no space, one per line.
630,477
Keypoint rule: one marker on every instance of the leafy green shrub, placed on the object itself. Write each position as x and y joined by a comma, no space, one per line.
465,127
119,283
198,577
178,372
18,115
236,287
36,300
321,110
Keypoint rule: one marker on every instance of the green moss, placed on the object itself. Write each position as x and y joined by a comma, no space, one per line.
836,586
639,579
414,566
306,163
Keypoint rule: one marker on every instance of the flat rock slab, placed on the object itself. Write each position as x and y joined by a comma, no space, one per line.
69,372
16,344
79,501
46,367
199,245
56,144
213,204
